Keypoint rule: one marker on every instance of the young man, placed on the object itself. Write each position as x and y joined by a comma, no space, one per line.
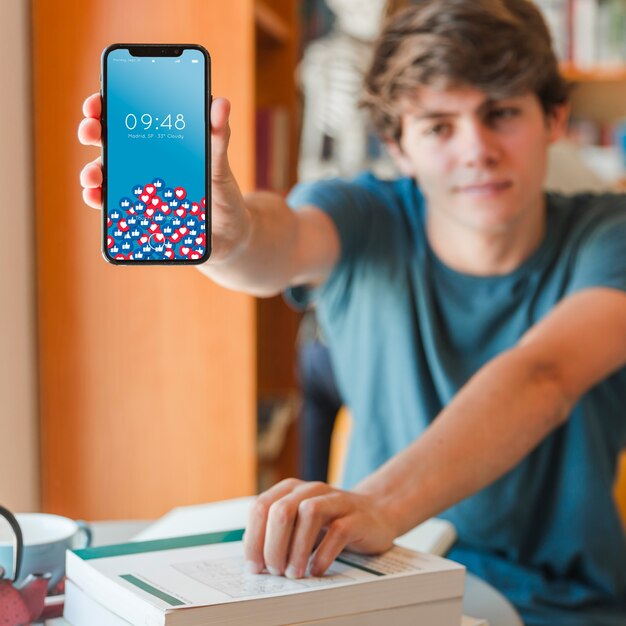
477,325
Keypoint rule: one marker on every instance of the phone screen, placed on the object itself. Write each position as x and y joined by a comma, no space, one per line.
155,156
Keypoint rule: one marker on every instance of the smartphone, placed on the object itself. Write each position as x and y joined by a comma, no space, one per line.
156,154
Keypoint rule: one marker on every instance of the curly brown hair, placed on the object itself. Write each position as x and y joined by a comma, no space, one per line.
502,47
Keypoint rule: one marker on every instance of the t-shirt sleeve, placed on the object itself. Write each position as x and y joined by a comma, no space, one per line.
601,260
351,208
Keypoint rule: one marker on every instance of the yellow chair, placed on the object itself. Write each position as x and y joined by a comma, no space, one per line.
339,445
620,488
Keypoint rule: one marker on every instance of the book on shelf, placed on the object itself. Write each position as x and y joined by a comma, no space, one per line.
201,579
272,148
587,34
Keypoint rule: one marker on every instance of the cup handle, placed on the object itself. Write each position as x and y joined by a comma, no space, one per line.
18,541
86,532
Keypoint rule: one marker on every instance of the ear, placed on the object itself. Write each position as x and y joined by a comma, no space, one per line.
402,161
557,122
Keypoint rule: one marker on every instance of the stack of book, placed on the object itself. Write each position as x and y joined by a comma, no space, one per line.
201,579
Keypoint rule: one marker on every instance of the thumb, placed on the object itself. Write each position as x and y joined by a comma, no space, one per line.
220,137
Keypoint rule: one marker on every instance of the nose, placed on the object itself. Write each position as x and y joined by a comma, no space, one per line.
479,145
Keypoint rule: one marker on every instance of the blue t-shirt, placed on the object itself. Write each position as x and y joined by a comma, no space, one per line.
406,332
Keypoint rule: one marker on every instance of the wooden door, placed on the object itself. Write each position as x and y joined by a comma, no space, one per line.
147,375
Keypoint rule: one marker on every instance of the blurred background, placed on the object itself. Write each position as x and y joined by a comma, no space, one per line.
128,391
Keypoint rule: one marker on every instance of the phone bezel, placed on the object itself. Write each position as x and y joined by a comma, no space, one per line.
157,49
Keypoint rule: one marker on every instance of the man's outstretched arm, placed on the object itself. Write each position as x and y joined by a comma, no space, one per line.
498,417
259,245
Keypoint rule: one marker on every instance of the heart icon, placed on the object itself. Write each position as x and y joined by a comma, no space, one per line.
200,240
143,239
145,197
149,189
120,257
155,201
180,193
184,250
195,208
195,255
175,237
154,228
130,211
182,230
203,216
165,208
109,222
169,253
149,211
123,226
203,203
180,212
110,241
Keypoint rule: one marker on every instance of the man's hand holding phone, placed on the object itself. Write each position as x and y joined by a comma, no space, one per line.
230,221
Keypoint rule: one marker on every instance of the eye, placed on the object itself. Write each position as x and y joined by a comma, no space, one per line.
442,129
503,113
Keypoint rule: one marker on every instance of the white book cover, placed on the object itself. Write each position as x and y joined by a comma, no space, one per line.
202,577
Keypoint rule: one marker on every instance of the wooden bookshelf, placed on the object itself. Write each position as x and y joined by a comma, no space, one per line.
271,25
275,87
595,74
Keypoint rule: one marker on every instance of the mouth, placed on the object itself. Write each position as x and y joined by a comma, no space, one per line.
484,189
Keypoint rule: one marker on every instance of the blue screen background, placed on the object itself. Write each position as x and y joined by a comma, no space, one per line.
159,87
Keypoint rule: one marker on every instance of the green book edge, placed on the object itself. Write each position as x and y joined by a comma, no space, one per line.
155,545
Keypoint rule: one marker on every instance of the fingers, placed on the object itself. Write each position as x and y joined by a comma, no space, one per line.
90,132
220,137
339,534
284,530
93,197
90,129
91,174
313,515
92,107
91,181
254,538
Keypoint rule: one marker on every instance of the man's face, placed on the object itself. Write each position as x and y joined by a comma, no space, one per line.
480,162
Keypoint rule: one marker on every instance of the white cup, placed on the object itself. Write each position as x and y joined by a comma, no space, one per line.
46,538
